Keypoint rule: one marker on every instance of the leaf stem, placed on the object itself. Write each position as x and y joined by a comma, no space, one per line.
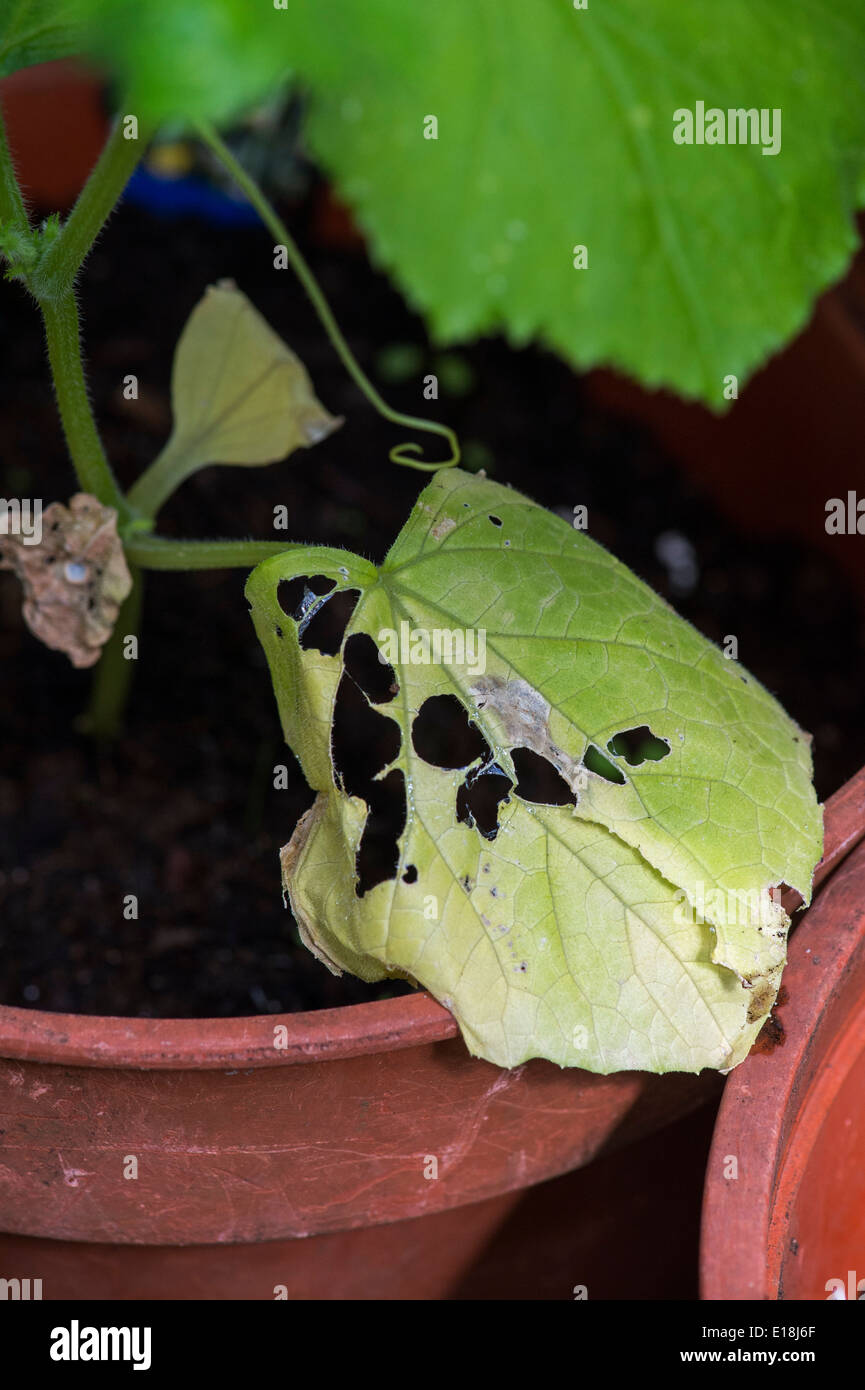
268,215
160,480
160,553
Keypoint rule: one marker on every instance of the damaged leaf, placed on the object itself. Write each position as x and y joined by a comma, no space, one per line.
75,578
239,394
630,922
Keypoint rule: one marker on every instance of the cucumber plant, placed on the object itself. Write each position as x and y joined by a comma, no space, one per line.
596,811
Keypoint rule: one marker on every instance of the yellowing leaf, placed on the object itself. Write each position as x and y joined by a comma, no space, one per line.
622,914
239,395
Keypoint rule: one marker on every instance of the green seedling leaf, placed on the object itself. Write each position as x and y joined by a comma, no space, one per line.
622,912
239,394
37,31
484,144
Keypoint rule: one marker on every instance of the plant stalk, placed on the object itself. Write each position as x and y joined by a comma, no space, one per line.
56,272
82,437
103,718
12,211
52,283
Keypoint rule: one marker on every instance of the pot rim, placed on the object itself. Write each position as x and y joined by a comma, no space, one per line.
89,1040
354,1030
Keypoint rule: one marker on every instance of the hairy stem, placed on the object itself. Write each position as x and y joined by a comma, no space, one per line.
12,211
401,452
159,553
82,437
52,283
56,272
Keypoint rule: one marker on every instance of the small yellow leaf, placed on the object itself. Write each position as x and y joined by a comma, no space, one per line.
240,395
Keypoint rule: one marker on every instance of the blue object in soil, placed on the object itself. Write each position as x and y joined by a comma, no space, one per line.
188,197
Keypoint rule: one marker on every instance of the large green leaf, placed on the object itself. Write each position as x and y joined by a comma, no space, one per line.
37,31
570,934
555,128
189,58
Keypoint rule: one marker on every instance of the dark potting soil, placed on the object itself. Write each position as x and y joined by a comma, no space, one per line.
182,812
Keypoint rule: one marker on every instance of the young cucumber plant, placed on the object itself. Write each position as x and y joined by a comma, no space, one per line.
622,911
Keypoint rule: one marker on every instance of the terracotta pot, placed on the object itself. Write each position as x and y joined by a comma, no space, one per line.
784,1200
331,1136
238,1141
56,125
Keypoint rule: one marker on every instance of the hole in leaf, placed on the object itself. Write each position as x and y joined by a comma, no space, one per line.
325,625
443,735
410,875
638,746
479,798
375,677
787,897
296,596
362,741
598,763
496,520
377,855
538,780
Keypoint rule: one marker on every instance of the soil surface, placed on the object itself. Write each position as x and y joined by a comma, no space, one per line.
182,811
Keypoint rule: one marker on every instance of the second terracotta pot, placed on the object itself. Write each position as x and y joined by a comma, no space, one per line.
784,1207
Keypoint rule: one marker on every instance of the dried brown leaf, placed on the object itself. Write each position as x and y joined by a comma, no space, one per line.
74,580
